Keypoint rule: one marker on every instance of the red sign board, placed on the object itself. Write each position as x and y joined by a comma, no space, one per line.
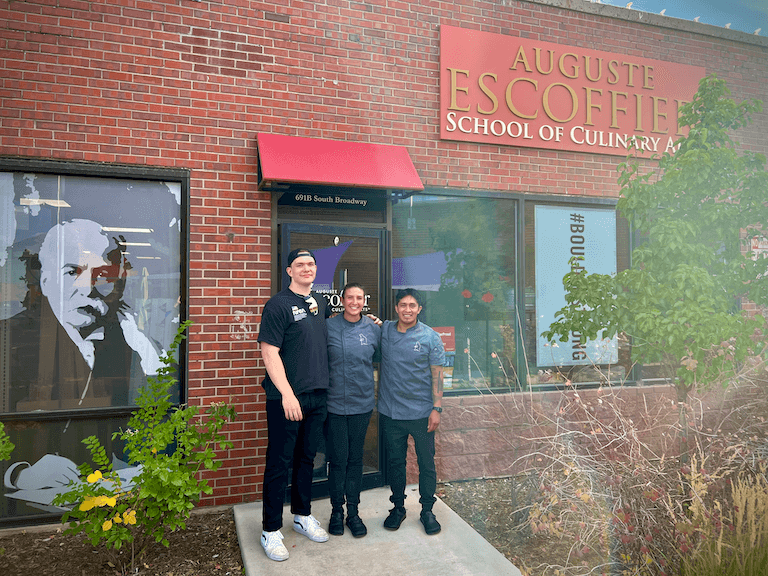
448,336
515,91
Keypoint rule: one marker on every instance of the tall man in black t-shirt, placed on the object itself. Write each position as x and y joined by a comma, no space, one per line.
293,339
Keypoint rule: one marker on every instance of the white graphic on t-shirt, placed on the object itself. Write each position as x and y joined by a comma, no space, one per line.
363,340
312,304
417,347
298,313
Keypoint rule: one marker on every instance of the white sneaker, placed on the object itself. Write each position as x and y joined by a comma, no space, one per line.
310,527
272,542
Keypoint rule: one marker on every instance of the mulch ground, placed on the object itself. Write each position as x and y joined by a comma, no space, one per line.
209,547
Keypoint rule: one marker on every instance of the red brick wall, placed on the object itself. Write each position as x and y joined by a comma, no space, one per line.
506,434
189,84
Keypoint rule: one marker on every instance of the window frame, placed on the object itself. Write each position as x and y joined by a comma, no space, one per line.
522,200
116,171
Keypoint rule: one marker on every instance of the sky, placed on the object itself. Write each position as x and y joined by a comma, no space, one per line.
743,15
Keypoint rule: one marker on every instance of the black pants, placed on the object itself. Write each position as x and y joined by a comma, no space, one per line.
291,447
345,444
396,438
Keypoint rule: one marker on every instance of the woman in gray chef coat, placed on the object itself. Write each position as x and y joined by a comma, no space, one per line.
353,339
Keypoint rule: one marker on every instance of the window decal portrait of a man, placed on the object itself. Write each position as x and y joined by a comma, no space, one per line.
82,275
90,298
99,262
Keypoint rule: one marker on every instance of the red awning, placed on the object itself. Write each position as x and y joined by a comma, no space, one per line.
294,160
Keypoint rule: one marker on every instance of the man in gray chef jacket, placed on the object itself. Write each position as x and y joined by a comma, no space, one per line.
410,403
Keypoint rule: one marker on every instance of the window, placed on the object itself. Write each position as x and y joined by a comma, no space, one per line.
91,288
554,233
91,292
460,253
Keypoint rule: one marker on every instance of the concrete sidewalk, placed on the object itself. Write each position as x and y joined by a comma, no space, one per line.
457,550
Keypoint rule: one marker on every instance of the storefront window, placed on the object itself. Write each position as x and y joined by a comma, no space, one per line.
91,283
553,234
90,297
45,460
459,252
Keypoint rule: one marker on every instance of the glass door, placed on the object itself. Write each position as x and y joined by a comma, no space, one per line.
344,255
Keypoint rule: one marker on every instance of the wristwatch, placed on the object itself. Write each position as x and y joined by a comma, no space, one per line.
437,409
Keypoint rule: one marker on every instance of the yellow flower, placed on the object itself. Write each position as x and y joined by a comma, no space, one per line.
106,501
87,504
107,525
129,517
117,519
95,477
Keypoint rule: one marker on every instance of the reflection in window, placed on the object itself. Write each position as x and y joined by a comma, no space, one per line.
460,253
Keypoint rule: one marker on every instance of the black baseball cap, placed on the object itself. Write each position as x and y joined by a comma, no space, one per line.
299,252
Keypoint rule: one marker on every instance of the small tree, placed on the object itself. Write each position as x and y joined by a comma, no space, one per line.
171,446
697,212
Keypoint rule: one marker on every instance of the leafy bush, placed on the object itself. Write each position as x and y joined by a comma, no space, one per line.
698,210
6,446
654,508
170,445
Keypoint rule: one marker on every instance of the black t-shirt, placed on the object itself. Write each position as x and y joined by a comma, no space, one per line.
302,337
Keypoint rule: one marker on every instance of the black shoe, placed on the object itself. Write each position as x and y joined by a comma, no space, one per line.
395,518
336,525
431,525
356,526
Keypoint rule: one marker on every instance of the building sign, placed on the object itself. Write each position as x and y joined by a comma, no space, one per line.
515,91
309,199
561,233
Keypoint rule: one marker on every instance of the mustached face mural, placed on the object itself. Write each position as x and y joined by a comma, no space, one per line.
90,297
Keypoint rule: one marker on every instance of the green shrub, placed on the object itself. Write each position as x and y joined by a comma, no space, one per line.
6,446
171,445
